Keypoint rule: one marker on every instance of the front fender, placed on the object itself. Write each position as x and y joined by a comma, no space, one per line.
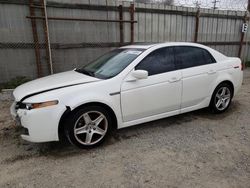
111,101
76,96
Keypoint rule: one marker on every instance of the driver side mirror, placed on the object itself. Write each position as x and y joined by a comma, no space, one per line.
140,74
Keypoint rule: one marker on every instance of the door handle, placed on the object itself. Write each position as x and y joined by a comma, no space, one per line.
211,71
174,79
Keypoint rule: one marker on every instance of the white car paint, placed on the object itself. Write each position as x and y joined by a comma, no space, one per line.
143,95
52,81
132,101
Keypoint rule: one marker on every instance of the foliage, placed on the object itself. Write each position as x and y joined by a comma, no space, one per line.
247,63
13,83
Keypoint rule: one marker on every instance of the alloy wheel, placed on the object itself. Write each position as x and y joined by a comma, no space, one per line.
222,98
90,127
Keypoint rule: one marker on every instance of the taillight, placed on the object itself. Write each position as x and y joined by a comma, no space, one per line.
242,66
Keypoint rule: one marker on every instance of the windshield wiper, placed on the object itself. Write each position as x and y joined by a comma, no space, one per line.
83,71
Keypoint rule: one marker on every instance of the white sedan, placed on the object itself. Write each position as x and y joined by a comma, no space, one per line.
127,86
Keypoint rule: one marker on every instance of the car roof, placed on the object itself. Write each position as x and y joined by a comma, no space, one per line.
217,55
149,45
141,45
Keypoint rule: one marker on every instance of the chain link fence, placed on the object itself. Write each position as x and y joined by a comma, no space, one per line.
75,41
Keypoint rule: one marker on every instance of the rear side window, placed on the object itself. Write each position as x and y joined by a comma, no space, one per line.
158,61
187,56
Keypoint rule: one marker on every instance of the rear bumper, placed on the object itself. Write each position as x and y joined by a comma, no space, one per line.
41,124
239,83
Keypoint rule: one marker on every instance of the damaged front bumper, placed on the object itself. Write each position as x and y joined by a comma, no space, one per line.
41,125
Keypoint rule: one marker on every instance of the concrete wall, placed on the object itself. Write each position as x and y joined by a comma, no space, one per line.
16,59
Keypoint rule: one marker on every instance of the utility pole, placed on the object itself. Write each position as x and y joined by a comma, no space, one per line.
248,6
215,2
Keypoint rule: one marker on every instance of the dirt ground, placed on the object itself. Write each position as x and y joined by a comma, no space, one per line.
197,149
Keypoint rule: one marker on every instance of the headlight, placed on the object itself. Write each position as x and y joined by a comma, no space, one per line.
30,106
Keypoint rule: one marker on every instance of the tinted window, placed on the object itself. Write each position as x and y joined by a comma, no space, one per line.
192,56
158,61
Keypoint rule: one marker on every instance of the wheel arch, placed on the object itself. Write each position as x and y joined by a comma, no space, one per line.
68,111
229,83
221,82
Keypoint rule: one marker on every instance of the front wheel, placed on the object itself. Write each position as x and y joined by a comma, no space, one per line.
221,98
88,126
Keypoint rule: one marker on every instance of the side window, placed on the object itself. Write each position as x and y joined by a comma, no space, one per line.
209,58
158,61
187,56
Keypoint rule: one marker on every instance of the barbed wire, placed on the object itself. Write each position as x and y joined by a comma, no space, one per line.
210,4
214,4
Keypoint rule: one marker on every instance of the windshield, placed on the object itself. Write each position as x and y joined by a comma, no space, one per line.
110,64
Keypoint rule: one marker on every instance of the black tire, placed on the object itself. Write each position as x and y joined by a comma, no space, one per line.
76,119
220,109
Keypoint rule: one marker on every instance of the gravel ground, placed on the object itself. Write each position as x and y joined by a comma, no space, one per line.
197,149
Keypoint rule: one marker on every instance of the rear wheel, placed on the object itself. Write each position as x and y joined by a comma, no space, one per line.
88,127
221,98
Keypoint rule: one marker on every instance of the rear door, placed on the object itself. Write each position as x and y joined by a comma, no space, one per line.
198,73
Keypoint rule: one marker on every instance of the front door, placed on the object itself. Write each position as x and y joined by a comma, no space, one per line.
159,93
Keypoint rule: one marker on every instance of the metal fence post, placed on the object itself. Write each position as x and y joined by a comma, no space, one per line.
132,17
47,38
36,40
197,25
120,8
242,37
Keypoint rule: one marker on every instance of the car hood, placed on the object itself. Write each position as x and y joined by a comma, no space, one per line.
48,83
